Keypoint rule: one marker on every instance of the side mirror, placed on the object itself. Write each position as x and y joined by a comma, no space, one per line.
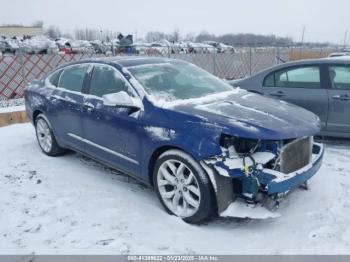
121,99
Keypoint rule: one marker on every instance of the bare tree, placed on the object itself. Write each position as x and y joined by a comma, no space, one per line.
38,23
93,34
205,36
153,36
53,32
190,37
245,39
176,35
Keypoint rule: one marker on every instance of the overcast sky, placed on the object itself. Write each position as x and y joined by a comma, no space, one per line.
325,20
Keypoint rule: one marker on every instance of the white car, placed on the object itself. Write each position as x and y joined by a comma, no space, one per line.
179,48
141,48
40,45
337,54
159,48
226,48
82,46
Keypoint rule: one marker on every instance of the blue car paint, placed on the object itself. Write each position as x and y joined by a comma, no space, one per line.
64,111
256,117
197,128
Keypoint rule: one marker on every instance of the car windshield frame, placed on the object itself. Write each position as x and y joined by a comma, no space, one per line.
152,94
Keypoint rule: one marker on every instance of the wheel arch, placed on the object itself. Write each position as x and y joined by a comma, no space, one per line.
155,155
38,112
198,149
35,114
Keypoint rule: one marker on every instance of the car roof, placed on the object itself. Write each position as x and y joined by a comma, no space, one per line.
327,60
123,61
341,60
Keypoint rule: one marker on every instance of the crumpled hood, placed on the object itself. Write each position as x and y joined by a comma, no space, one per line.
251,115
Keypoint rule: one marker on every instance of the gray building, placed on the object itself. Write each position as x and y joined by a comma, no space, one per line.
11,31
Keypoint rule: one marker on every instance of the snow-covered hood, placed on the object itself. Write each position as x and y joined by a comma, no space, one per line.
251,115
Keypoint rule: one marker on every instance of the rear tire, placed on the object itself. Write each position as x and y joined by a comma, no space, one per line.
183,187
46,138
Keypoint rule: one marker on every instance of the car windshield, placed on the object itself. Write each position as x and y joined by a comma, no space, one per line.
170,81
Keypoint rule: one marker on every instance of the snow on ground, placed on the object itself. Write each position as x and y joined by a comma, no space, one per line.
73,205
12,109
11,102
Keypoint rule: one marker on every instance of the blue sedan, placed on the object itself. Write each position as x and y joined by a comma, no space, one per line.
200,143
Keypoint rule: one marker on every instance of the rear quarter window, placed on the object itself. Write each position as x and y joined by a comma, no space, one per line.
53,79
339,77
269,81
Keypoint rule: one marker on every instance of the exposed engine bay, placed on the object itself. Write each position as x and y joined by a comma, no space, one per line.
261,172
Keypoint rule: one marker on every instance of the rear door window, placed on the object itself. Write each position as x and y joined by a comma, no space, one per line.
300,77
340,77
72,78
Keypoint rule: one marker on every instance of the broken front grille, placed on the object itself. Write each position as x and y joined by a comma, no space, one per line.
296,155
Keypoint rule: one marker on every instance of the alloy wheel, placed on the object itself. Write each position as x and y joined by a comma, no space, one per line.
44,135
178,188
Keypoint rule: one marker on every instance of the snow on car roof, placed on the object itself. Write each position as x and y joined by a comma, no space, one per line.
124,61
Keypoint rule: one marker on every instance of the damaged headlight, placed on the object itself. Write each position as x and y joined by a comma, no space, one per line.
241,145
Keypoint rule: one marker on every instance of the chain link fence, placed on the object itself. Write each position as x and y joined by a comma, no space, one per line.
17,70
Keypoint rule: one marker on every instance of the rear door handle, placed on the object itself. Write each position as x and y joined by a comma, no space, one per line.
278,94
341,97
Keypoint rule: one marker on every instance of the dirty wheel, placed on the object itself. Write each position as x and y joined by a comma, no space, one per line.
183,187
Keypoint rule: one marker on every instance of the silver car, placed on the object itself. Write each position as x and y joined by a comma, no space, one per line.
319,85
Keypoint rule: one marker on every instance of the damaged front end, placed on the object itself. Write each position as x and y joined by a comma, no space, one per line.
260,172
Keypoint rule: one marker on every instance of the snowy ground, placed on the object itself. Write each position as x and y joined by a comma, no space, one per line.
72,205
8,103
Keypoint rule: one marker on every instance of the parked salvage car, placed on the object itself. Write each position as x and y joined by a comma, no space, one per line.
81,46
141,48
337,54
3,45
64,45
321,86
39,45
101,47
201,144
10,45
158,48
220,47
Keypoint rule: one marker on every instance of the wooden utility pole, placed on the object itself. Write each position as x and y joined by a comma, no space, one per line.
302,42
302,36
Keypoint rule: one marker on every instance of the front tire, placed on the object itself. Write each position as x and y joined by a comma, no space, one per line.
46,138
183,187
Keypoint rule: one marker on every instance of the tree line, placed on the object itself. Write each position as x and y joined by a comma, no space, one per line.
242,39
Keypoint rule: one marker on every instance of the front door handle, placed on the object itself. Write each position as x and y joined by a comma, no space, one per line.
278,94
54,98
89,107
341,97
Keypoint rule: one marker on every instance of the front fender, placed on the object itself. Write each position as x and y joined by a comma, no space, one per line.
198,143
